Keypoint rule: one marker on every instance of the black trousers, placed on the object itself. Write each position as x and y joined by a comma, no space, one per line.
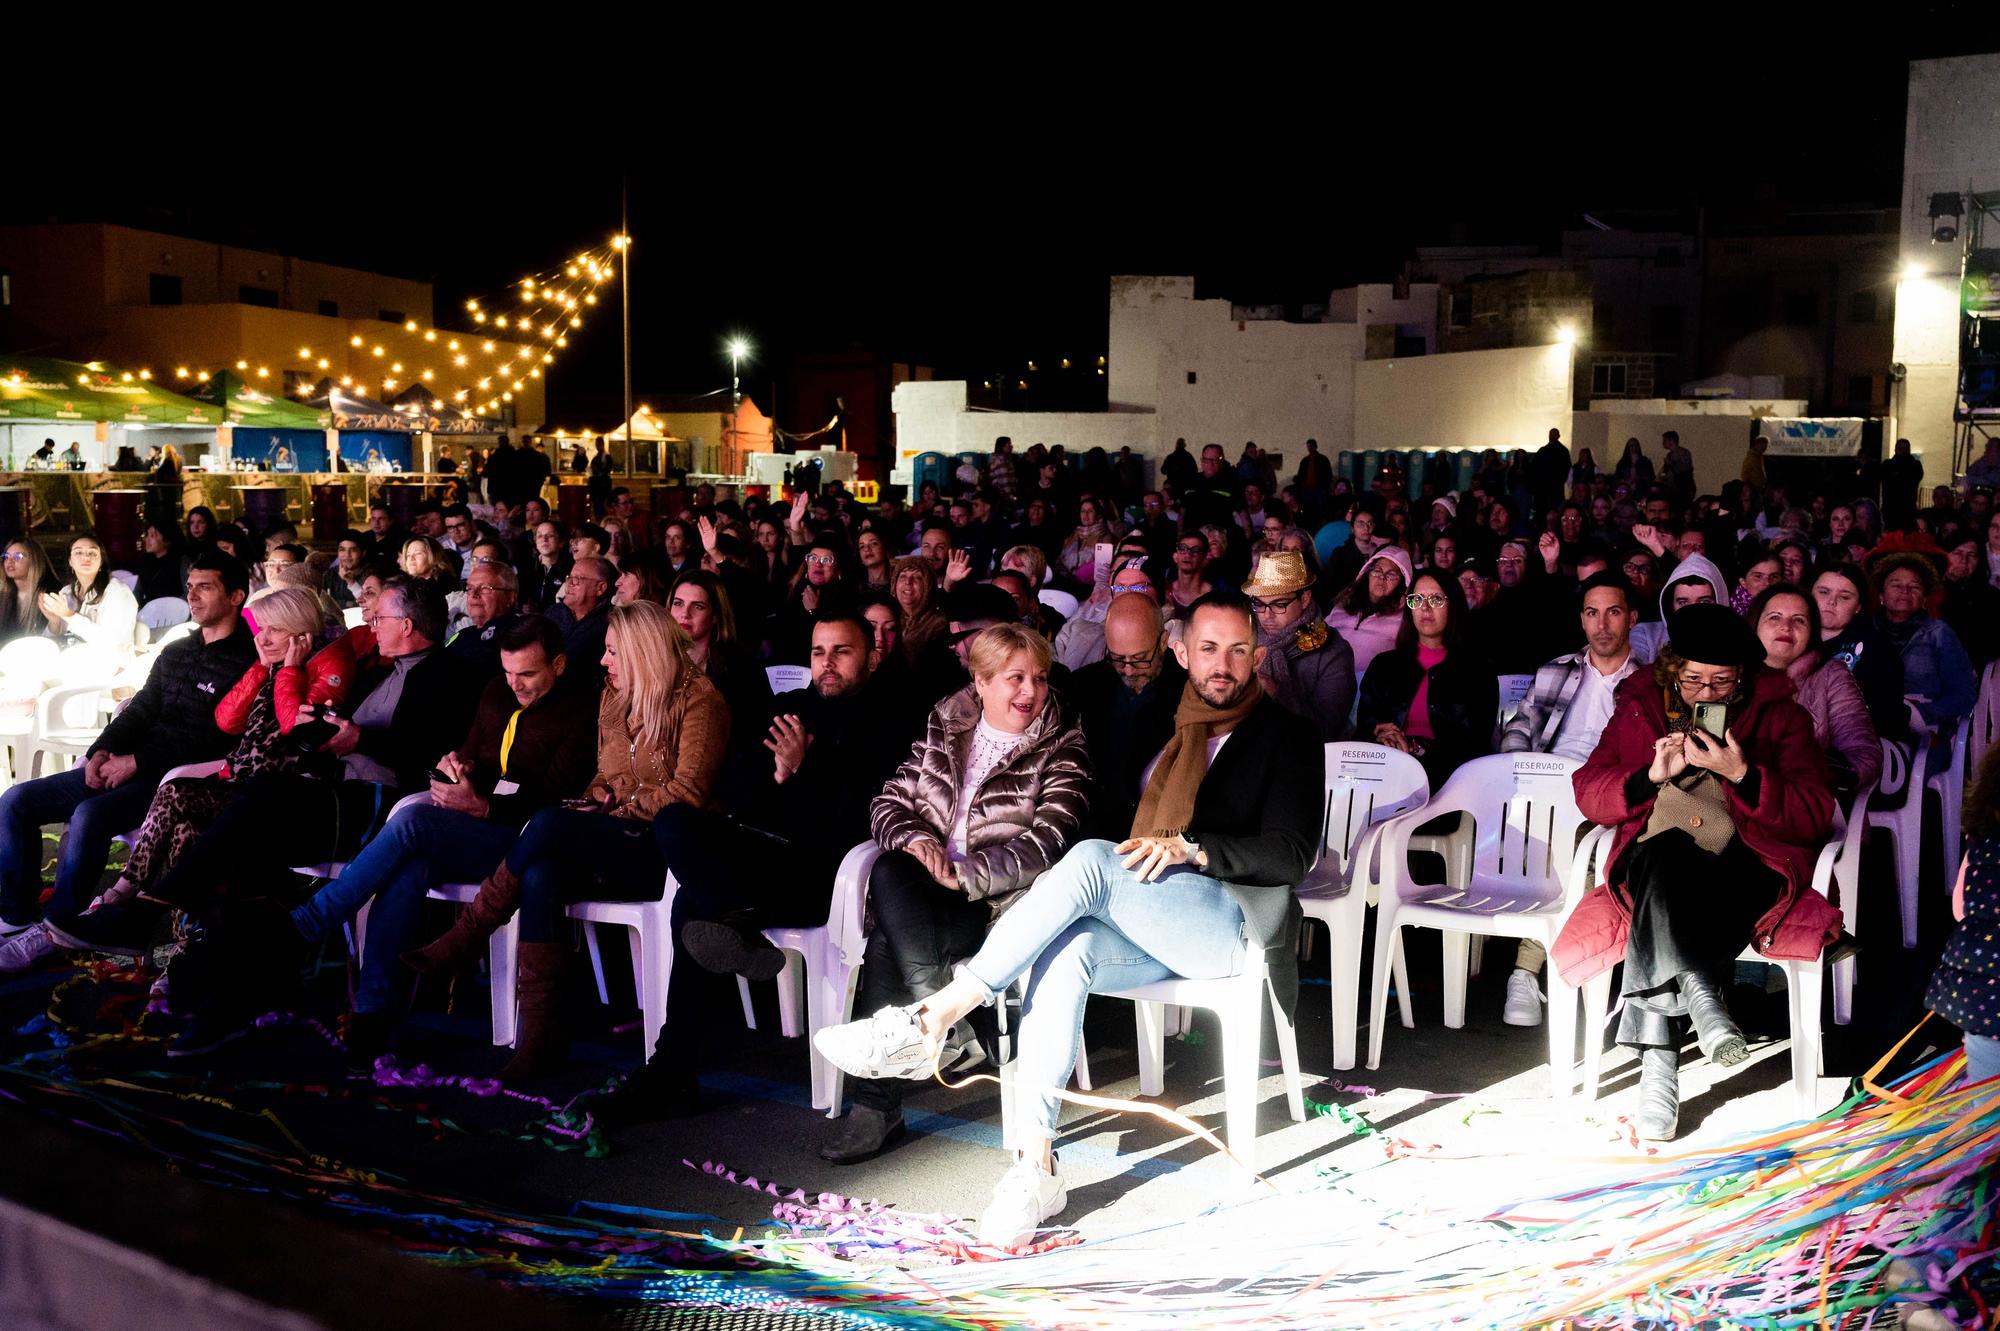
921,930
278,820
1691,911
729,870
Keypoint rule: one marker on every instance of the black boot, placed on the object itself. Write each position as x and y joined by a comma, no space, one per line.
864,1134
1659,1116
732,946
1714,1029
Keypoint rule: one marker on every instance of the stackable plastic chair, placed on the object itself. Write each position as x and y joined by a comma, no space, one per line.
1519,885
162,613
1366,784
785,678
1514,690
1062,602
1837,877
1902,771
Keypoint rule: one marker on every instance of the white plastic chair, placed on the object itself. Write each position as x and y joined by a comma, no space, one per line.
1837,877
68,721
127,577
785,678
1366,784
162,613
30,659
1948,784
1904,823
185,770
1514,690
1526,827
1062,602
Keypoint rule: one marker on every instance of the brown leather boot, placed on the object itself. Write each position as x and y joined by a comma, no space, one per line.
498,896
539,1046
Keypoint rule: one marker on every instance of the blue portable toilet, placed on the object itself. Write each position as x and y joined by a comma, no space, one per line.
930,467
1468,467
1344,465
1371,462
1413,475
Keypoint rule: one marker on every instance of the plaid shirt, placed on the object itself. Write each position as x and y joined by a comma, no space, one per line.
1534,728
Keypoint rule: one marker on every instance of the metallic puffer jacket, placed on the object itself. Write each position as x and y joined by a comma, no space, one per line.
1029,811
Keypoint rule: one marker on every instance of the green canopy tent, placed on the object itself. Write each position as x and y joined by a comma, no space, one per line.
34,388
257,408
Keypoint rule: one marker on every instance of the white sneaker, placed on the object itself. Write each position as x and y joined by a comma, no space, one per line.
1024,1198
26,948
8,928
889,1044
1524,1000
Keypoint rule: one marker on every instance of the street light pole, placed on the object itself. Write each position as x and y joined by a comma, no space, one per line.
625,293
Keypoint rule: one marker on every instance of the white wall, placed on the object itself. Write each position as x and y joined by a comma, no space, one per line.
1143,311
1951,142
1503,399
1717,433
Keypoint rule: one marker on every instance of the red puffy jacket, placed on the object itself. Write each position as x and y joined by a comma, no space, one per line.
1785,827
322,681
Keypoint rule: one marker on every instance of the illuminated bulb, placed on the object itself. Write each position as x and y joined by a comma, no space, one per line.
354,341
145,374
590,298
378,350
547,357
501,320
202,377
460,395
126,377
506,397
562,341
323,362
485,383
429,374
480,317
471,305
430,335
571,270
388,383
263,372
181,372
347,380
535,373
453,344
487,347
548,330
397,368
528,294
410,326
517,383
243,365
305,353
459,359
575,322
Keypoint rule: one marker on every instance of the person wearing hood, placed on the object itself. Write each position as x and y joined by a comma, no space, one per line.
1695,581
1369,614
1710,773
1307,667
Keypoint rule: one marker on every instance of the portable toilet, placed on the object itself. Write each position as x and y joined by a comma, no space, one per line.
978,461
1344,466
1371,462
1414,474
1468,467
930,467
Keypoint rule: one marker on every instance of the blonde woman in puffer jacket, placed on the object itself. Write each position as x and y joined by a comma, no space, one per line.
992,795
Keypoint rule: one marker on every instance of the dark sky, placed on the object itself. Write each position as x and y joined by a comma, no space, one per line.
972,227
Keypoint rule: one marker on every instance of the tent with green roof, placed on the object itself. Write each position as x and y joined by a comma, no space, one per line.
249,405
35,388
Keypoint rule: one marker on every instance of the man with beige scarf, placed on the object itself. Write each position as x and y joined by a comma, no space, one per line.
1226,826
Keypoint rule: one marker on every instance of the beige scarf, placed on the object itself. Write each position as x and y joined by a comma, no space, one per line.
1168,801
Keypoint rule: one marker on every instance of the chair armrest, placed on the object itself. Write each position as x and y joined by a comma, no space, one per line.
1586,869
419,800
189,771
51,702
847,914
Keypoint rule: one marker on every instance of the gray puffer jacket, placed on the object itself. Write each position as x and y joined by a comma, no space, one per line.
1027,813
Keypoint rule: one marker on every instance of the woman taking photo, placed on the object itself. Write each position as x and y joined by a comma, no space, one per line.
1787,624
1369,611
1078,555
93,606
28,579
1425,697
1718,790
662,729
991,796
1848,636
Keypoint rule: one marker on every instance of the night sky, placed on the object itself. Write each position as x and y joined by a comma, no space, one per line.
972,226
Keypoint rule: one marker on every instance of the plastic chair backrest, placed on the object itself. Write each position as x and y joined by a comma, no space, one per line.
126,576
1366,784
86,662
353,616
1062,602
163,612
1524,814
785,678
30,658
1514,690
1984,723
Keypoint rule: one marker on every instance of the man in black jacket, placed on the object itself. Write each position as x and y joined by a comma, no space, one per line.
833,746
169,722
400,716
1227,824
1125,704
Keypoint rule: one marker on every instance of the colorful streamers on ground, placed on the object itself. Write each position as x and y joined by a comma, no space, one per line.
1798,1226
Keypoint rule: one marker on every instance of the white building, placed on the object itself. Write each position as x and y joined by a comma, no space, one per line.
1182,368
1951,145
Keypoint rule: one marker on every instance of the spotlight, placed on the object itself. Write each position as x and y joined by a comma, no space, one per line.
1945,211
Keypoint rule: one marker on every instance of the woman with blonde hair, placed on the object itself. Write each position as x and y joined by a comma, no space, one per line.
290,672
28,577
662,728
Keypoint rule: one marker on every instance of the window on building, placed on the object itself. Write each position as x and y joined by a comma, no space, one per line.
390,316
1861,390
258,296
1459,310
1669,322
1407,347
1603,325
163,289
1802,308
1668,256
1861,307
1190,376
330,308
1607,380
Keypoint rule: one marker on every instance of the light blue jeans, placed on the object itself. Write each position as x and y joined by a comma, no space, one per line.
1088,926
1982,1057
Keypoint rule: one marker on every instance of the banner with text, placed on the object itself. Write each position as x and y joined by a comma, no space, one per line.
1823,437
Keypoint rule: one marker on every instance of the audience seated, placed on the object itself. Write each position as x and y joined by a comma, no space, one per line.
1787,624
1849,635
584,612
1125,704
1429,696
92,606
492,592
1308,668
1938,677
1715,846
1368,613
1693,581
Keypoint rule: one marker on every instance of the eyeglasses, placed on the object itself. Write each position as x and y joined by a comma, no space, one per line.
575,578
1192,549
822,560
1426,600
13,557
484,591
1119,587
1138,662
1638,566
1511,559
1275,604
1691,684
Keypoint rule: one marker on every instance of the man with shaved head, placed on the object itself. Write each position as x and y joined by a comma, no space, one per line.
1125,703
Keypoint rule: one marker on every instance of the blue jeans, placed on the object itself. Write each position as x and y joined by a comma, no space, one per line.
94,817
1982,1057
567,855
1088,926
419,849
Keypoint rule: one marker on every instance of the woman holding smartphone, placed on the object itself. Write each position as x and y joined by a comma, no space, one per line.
662,728
289,679
1710,772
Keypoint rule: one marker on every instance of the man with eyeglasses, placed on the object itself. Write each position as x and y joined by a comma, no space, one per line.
460,533
1125,704
583,613
1082,639
1308,668
492,590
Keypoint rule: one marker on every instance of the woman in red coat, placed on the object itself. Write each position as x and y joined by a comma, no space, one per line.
1715,846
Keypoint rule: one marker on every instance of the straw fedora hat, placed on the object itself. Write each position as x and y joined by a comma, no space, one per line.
1278,574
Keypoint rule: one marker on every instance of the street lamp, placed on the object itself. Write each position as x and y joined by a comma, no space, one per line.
738,349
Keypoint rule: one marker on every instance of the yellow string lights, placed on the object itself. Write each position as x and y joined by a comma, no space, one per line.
540,314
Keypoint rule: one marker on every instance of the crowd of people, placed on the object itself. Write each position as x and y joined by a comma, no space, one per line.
1080,712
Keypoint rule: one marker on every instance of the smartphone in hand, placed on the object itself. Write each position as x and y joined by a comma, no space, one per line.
438,775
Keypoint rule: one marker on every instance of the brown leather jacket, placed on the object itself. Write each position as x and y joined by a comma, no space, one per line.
1029,811
681,769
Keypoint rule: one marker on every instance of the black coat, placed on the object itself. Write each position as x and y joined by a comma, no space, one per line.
431,718
1257,813
857,744
1464,703
1125,731
171,720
